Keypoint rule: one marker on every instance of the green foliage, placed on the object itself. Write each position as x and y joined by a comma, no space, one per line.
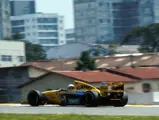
149,34
33,51
85,62
96,52
16,36
72,117
112,49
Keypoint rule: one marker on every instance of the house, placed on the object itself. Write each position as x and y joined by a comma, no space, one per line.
61,79
147,77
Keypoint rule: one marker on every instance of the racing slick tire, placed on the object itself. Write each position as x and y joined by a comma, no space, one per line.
36,98
123,101
91,99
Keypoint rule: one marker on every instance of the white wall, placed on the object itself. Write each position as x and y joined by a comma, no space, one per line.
13,49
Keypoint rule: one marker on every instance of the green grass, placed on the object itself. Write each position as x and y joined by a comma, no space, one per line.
71,117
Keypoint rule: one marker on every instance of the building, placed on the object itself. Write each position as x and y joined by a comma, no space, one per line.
12,53
107,20
41,28
22,7
5,23
70,36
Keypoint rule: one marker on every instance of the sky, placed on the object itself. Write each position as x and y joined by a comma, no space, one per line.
62,7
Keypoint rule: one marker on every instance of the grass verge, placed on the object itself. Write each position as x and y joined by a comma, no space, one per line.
71,117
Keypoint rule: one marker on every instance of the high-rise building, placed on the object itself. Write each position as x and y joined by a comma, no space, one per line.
5,23
22,7
40,28
107,20
70,36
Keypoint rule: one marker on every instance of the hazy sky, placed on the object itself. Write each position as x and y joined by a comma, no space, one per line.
62,7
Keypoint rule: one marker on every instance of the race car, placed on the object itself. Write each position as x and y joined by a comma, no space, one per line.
81,93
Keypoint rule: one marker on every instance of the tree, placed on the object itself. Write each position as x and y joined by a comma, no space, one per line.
33,51
94,52
149,35
16,36
112,49
85,62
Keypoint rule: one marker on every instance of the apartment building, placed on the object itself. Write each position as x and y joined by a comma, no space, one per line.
40,28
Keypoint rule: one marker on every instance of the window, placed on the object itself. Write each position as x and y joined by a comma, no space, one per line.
20,58
47,20
48,34
146,87
48,41
47,27
101,20
17,22
71,35
89,5
18,29
100,4
6,58
61,21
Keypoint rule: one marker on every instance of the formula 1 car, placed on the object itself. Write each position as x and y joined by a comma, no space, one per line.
81,93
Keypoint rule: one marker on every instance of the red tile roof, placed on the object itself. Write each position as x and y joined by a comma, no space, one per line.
102,62
89,76
140,72
96,76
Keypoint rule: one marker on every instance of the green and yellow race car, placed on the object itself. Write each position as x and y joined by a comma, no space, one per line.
81,93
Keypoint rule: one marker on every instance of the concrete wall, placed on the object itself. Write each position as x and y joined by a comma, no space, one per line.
10,78
143,98
33,72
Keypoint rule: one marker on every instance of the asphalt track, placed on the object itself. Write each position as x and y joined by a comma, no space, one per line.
137,110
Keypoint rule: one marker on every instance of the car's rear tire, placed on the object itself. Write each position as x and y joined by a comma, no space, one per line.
123,101
91,99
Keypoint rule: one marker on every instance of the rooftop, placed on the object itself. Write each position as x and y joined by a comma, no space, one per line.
89,76
102,62
141,72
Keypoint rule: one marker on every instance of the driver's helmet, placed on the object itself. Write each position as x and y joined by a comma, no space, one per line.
70,87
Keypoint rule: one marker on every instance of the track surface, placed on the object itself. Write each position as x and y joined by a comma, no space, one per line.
103,110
